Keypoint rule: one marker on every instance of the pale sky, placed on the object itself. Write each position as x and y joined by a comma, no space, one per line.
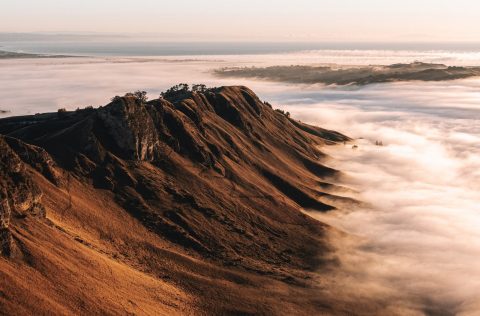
254,20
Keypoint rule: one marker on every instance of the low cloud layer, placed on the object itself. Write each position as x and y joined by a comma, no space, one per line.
416,249
419,241
35,85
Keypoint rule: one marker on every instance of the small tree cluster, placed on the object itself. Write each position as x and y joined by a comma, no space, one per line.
176,91
183,90
139,95
62,112
199,88
287,114
85,109
116,98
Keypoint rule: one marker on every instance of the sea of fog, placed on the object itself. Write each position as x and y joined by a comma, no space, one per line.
418,242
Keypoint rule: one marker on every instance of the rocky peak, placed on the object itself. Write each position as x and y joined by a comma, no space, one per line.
131,127
144,130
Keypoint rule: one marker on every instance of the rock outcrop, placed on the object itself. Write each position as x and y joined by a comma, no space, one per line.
19,195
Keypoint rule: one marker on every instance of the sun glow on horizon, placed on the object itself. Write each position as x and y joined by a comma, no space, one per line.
303,20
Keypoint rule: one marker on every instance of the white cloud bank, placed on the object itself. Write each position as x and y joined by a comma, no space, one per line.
420,239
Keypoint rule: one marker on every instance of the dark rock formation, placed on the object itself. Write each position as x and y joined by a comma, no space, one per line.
19,195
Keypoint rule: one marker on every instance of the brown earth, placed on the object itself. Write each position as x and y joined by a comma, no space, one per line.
191,205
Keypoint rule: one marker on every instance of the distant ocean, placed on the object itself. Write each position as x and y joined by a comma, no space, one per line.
152,48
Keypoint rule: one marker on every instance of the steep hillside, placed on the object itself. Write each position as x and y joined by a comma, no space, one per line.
188,204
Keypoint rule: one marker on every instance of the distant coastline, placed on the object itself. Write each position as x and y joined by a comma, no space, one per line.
15,55
104,45
348,75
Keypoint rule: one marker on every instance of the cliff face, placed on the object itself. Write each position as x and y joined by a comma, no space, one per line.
204,190
19,195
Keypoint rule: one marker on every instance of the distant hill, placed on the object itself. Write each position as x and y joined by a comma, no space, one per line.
15,55
345,75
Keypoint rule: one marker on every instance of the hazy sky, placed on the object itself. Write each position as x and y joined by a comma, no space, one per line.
303,20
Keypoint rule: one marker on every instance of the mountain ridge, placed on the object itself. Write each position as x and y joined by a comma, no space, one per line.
215,177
